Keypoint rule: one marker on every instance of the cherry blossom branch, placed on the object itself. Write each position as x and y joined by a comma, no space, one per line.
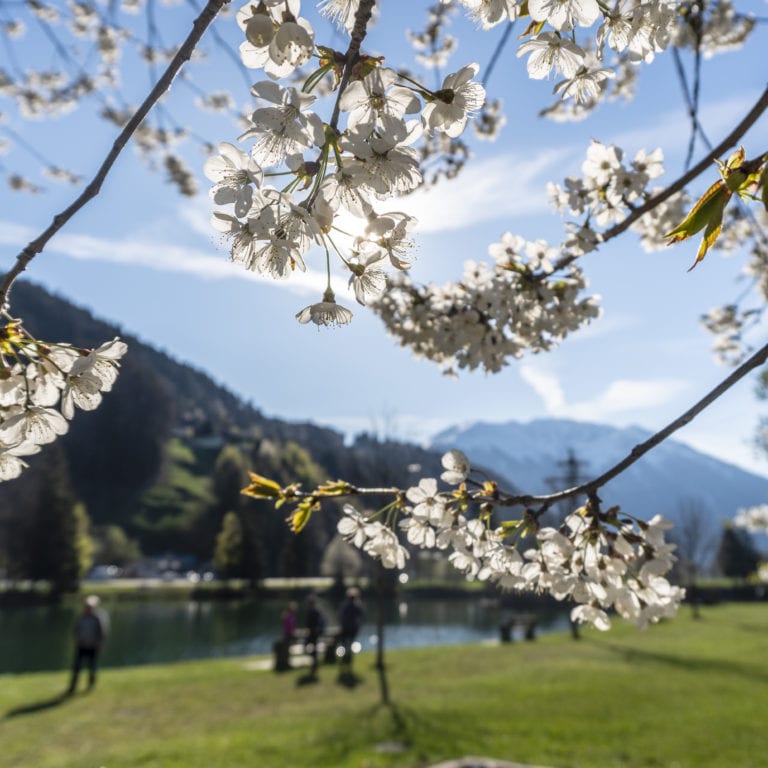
35,247
362,17
729,141
351,58
761,105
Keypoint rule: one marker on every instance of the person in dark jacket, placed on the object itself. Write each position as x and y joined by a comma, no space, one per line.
90,632
351,614
315,624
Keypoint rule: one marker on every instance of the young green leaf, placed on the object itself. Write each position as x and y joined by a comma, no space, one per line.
707,214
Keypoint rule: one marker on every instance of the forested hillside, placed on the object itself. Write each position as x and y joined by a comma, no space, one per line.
160,464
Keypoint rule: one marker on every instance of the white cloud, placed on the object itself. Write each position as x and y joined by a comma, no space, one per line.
622,396
507,186
164,257
627,395
546,386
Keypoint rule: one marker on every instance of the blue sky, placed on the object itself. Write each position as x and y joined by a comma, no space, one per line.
147,259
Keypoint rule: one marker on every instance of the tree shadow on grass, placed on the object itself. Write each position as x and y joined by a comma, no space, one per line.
752,672
308,678
348,678
391,728
37,706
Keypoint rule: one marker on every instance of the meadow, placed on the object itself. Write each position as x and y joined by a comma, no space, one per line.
687,693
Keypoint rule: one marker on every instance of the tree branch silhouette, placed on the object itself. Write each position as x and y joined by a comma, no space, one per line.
36,246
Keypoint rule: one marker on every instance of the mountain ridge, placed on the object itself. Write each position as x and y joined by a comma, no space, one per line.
666,479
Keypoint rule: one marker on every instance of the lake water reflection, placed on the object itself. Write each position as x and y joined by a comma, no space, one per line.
39,638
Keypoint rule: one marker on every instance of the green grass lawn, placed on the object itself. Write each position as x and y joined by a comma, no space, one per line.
686,693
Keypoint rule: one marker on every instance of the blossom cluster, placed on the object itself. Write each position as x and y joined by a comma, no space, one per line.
609,187
626,32
495,312
601,561
337,177
35,378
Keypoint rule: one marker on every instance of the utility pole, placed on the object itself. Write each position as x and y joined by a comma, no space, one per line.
572,473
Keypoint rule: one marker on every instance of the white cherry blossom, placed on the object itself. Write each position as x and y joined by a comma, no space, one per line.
456,466
458,99
563,14
235,175
375,102
549,50
288,128
325,312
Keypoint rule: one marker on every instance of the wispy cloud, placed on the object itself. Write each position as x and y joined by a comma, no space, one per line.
508,186
546,386
163,256
619,397
671,129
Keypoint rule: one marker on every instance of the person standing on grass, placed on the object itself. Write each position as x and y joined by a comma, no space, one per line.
90,632
315,623
351,615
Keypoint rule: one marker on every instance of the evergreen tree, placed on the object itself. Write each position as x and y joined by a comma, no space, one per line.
115,547
229,478
737,556
229,554
254,542
84,544
52,542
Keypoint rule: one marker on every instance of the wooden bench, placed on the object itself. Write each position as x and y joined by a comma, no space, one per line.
296,649
524,621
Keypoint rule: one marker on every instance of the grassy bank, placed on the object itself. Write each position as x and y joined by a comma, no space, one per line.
684,694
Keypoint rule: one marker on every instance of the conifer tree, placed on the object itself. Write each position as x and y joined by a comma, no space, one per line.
228,556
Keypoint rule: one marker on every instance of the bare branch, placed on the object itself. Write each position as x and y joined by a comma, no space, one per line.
351,58
362,17
201,23
642,448
497,51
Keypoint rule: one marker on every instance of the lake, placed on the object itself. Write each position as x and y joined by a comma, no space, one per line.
146,632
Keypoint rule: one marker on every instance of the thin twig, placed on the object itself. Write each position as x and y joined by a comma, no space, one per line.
696,125
590,488
497,51
36,246
227,49
695,91
351,58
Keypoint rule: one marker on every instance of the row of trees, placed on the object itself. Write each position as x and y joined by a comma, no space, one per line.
53,539
47,535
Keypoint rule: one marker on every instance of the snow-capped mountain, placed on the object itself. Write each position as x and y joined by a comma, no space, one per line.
669,478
